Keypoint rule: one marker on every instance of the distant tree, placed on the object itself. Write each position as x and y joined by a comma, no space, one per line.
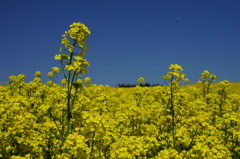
133,85
147,85
157,84
140,84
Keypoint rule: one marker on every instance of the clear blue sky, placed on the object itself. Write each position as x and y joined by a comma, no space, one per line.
130,38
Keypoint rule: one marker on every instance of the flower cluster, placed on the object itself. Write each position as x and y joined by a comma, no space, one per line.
73,39
141,122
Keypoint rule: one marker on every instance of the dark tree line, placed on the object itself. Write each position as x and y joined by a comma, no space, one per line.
134,85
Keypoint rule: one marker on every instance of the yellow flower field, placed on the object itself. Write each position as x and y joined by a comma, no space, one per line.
80,120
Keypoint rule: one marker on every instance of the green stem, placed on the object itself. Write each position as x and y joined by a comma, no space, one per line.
91,153
69,92
63,69
172,112
56,125
191,143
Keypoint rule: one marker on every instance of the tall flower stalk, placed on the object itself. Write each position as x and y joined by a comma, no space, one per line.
172,80
73,63
206,79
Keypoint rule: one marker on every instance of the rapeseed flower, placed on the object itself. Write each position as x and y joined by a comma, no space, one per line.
56,70
50,74
87,80
140,80
38,74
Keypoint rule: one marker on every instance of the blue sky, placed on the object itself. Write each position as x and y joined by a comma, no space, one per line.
130,38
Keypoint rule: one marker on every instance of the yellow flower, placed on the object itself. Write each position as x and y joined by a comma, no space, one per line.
73,33
50,74
64,81
70,48
85,63
214,77
84,70
167,76
37,74
87,80
69,67
12,78
21,77
186,80
66,42
56,70
205,73
79,81
49,83
65,56
85,48
58,57
81,54
175,67
78,58
140,80
85,28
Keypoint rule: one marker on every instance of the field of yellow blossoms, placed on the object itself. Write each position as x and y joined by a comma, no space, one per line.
80,120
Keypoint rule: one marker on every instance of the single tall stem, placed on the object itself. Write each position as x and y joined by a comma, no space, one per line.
172,112
69,92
